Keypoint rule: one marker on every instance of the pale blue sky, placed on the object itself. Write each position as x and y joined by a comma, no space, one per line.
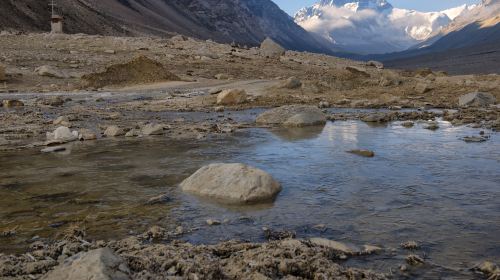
291,6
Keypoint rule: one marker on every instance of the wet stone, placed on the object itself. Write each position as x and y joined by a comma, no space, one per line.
363,153
160,199
414,260
410,245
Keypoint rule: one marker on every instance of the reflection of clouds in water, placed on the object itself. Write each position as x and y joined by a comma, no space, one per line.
347,132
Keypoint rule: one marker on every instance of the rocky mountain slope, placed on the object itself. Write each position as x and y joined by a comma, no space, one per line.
373,26
246,22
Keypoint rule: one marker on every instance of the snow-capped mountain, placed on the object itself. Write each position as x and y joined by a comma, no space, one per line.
373,26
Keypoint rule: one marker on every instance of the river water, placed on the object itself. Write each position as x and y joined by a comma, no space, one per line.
422,185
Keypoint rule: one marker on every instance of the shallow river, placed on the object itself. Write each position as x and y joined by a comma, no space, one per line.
422,185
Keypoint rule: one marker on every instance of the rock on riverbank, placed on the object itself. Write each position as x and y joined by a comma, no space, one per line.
139,258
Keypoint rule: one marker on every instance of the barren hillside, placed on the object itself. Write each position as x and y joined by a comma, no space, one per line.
246,22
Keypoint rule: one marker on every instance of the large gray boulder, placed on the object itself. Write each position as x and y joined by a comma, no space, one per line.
271,49
100,264
305,119
232,183
293,116
477,99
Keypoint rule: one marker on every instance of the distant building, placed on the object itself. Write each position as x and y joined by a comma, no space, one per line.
56,24
56,21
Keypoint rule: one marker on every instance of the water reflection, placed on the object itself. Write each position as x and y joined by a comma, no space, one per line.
299,133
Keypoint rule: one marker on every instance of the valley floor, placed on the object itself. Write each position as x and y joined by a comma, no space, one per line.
36,102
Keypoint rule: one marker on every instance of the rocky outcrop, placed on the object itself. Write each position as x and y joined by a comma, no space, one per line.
99,264
232,183
293,115
476,99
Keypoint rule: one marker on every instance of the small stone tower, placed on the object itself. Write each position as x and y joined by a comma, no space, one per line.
56,21
56,24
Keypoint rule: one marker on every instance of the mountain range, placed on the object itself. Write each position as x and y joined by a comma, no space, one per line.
373,26
470,44
464,39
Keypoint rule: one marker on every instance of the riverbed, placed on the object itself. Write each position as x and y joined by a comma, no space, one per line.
422,185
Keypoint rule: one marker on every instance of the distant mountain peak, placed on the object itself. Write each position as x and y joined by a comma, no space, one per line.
373,26
357,4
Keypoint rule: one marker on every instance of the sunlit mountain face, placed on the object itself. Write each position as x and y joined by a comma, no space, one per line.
373,26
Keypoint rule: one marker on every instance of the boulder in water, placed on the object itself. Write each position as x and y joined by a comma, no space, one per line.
305,119
232,183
